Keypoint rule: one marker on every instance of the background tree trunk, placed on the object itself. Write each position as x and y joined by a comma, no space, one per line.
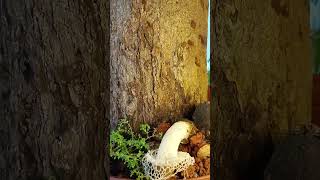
53,89
158,58
261,81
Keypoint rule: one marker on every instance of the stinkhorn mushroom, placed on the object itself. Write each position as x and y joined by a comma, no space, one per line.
167,160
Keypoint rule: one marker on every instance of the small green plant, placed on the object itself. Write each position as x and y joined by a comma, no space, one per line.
130,147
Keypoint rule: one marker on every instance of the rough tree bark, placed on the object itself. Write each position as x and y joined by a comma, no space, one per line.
53,89
261,81
158,64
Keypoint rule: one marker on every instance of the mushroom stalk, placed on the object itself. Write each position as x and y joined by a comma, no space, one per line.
171,140
166,161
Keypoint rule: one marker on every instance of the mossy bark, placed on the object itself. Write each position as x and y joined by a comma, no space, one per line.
261,81
53,89
158,59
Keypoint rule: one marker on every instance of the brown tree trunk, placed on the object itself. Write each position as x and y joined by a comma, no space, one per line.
53,89
158,64
261,81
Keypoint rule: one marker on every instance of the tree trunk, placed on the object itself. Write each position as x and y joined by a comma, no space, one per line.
53,89
158,64
261,81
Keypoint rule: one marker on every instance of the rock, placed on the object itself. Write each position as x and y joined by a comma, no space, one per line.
201,116
297,158
204,151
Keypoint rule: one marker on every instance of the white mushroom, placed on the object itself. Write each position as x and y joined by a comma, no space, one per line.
167,161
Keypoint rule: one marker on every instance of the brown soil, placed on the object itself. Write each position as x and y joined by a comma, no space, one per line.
197,139
201,166
163,127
